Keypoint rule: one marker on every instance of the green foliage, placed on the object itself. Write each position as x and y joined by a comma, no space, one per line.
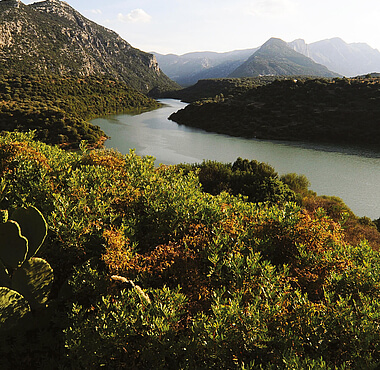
33,281
208,89
151,330
257,181
57,107
340,111
13,306
297,183
151,271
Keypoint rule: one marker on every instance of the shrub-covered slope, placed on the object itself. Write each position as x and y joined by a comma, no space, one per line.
210,88
298,109
153,272
58,107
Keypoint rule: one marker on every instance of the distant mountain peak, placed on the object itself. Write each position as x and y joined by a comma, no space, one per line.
274,41
339,57
275,57
347,59
274,45
300,46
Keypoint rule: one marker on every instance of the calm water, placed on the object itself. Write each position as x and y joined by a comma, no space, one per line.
353,175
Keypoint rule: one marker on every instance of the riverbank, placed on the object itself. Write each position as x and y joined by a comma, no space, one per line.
58,108
338,111
332,170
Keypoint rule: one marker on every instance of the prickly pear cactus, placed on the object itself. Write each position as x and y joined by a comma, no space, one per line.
33,227
25,282
13,306
5,279
3,215
33,280
13,245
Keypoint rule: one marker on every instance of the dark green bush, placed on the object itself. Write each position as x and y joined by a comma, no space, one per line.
153,272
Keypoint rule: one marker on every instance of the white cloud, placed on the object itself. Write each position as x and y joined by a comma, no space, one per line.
271,8
135,16
95,11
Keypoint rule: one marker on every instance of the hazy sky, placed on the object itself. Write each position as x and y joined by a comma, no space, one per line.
180,26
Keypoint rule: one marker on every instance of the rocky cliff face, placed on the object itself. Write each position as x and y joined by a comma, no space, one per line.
52,37
300,46
276,58
347,59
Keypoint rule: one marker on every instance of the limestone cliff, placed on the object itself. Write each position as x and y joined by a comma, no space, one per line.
52,37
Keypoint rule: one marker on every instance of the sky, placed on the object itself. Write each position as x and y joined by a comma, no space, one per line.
182,26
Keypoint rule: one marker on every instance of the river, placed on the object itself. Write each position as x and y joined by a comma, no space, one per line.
351,174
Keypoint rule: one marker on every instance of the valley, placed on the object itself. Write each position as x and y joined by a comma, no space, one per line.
336,170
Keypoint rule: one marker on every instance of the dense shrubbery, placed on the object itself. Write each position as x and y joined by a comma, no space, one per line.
153,272
58,107
257,181
302,109
218,88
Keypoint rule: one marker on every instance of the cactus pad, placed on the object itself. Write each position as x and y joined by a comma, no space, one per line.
13,246
34,280
33,227
3,215
5,279
13,306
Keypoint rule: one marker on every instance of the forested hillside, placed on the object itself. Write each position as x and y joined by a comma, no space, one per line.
337,110
58,69
221,87
154,268
50,37
58,108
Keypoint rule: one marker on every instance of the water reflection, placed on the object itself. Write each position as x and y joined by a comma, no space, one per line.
352,174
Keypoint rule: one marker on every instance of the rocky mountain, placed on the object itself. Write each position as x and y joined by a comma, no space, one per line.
339,57
53,38
188,68
275,57
346,59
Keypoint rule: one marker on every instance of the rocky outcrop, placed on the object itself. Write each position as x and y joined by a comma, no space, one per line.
50,36
276,58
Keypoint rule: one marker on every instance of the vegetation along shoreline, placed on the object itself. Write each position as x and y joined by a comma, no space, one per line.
316,110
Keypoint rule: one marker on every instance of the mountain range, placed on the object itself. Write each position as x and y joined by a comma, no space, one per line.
335,55
187,69
276,58
53,38
50,37
346,59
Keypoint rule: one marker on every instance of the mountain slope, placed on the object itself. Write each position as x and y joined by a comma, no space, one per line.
339,57
51,37
275,57
347,59
187,69
340,111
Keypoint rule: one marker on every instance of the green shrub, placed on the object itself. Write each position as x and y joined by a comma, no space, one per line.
202,281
